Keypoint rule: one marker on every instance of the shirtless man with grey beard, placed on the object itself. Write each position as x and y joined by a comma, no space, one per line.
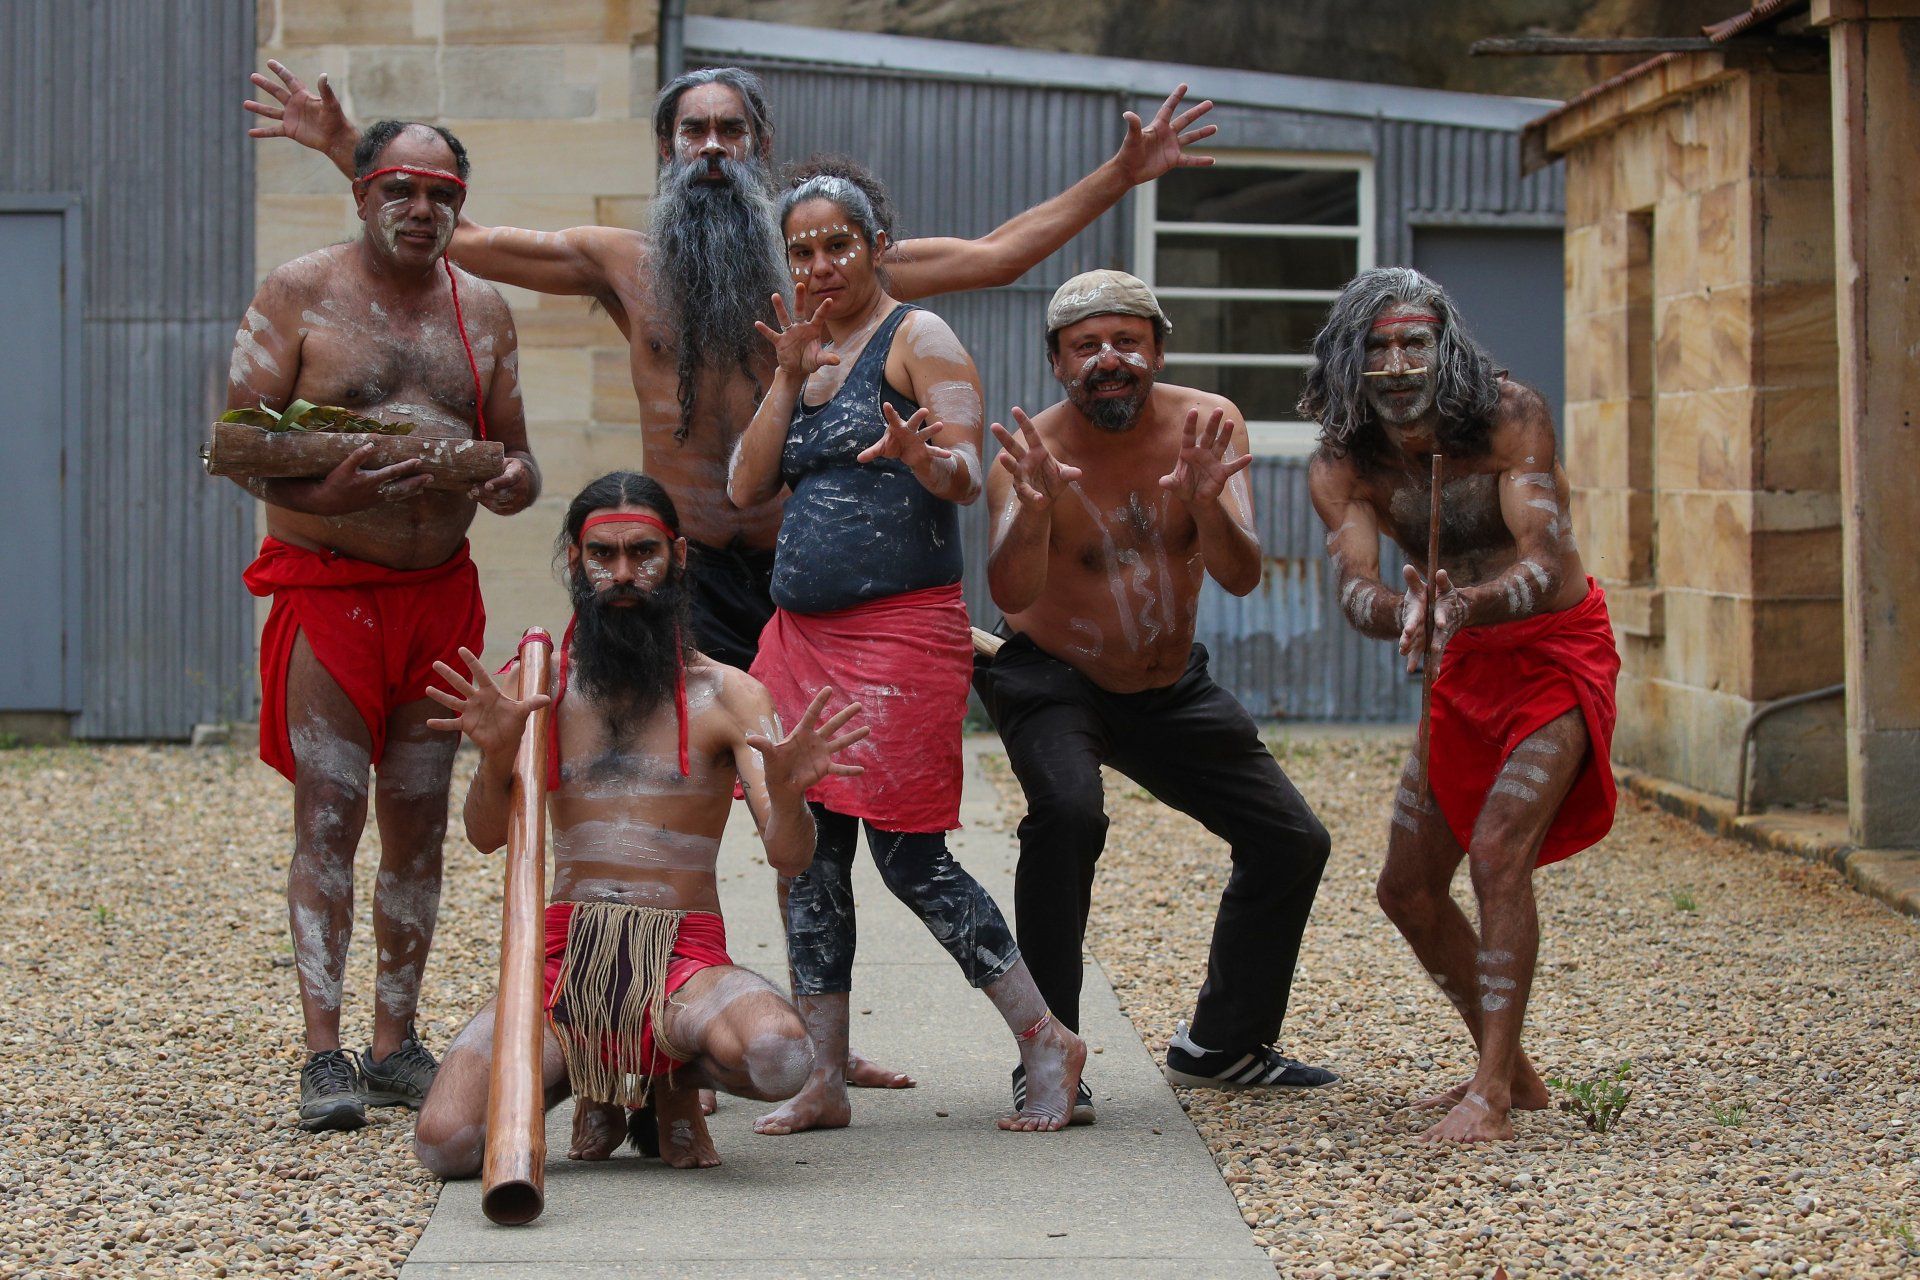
372,583
1523,696
638,794
1109,511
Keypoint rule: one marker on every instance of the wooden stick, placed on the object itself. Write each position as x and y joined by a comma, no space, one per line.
1424,748
235,449
985,642
513,1172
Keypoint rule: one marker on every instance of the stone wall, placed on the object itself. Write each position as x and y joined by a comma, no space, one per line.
552,102
1702,423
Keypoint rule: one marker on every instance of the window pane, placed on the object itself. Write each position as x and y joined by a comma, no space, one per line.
1223,193
1253,262
1264,394
1249,328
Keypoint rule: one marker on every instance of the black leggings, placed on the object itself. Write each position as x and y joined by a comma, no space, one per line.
921,873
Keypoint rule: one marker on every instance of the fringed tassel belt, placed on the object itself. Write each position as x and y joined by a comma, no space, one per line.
612,986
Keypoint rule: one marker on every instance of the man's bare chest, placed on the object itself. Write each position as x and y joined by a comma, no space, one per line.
1105,529
364,358
1471,522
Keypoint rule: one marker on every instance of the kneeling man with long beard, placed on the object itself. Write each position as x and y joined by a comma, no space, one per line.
648,736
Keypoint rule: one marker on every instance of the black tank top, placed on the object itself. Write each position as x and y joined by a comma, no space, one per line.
858,531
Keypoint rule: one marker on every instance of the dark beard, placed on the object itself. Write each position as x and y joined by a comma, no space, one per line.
1111,415
717,259
627,658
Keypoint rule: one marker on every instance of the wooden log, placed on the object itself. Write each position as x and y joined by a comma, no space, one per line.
235,449
513,1170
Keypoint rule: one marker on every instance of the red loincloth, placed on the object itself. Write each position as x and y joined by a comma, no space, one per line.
908,661
1497,685
377,631
701,944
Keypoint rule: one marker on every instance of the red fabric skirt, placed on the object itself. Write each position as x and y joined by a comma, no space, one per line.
702,944
908,661
377,631
1499,684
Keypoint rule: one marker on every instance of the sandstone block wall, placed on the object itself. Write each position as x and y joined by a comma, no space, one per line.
552,102
1702,424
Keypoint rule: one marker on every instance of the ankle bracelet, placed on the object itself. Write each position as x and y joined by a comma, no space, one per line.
1034,1030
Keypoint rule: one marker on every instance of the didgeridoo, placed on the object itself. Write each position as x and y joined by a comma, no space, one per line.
1423,749
513,1171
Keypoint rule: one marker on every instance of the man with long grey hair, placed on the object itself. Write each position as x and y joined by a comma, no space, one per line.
1523,698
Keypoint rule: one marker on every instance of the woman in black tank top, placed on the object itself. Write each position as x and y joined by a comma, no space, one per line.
873,422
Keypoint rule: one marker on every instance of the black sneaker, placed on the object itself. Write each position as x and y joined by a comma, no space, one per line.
402,1078
1262,1067
330,1092
1082,1112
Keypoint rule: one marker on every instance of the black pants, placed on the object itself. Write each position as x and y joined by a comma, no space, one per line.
920,872
732,592
1194,747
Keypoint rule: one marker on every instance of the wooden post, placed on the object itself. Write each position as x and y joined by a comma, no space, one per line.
512,1174
1875,69
1423,748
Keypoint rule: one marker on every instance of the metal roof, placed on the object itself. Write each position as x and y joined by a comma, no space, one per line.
915,55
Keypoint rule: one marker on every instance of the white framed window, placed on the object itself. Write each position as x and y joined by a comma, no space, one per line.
1245,256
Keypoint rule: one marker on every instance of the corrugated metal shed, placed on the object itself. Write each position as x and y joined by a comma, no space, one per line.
966,135
130,105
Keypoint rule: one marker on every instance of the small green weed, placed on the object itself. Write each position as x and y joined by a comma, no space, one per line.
1729,1115
1683,900
103,915
1906,1237
1599,1101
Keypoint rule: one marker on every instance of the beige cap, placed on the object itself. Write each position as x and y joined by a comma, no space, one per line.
1103,293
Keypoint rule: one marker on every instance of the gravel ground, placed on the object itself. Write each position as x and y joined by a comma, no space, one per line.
151,1036
1768,1012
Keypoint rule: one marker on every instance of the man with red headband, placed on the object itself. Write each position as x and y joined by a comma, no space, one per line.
372,583
1523,702
647,739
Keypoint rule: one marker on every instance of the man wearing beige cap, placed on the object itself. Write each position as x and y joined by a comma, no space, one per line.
1109,509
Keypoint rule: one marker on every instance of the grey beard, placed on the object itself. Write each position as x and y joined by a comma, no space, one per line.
717,260
1110,415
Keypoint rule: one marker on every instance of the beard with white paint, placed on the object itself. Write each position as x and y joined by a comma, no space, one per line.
1088,390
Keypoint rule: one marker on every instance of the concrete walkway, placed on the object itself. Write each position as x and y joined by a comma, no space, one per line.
922,1183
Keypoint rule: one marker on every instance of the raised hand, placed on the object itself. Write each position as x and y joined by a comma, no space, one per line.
481,709
1200,474
797,343
910,441
806,755
1148,152
1038,478
1449,612
311,119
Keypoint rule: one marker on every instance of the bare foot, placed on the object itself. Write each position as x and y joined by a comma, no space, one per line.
820,1104
862,1074
1529,1093
684,1140
1053,1059
1474,1119
709,1102
598,1130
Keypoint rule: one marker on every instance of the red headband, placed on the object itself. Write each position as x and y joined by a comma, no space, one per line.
442,174
1418,317
628,517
